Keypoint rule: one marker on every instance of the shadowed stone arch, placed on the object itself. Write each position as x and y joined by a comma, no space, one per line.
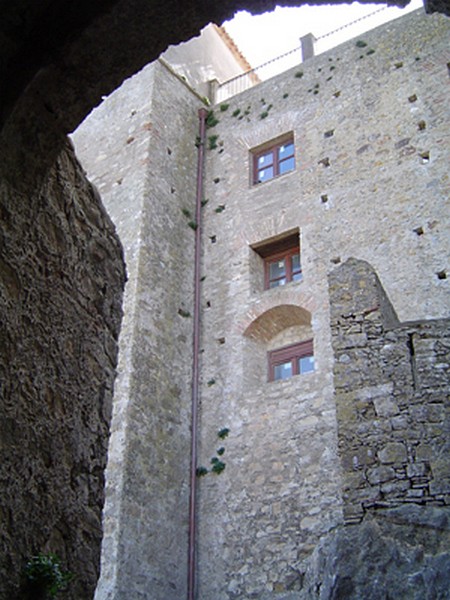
276,327
276,319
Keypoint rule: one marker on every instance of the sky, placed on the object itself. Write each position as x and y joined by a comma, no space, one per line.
263,37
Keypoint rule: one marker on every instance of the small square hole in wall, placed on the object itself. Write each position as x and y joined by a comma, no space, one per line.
329,133
324,198
424,157
441,275
421,125
412,98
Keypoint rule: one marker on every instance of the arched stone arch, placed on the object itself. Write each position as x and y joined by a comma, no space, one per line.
274,320
276,327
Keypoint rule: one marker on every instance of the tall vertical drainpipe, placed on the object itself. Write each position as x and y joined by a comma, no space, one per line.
202,113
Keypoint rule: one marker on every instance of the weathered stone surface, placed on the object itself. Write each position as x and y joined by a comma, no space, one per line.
284,486
329,459
61,280
149,197
393,453
401,553
410,448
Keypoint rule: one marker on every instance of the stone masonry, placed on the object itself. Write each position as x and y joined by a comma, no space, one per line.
147,132
391,383
315,462
62,275
368,428
61,272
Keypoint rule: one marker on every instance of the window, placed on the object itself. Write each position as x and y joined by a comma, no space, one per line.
291,360
281,260
273,160
283,268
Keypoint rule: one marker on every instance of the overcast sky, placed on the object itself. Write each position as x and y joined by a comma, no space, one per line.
263,37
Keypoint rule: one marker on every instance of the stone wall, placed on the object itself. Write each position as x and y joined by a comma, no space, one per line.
369,119
364,116
397,552
144,162
61,280
60,321
391,383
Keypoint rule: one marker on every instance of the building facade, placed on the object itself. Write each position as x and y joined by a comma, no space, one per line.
324,352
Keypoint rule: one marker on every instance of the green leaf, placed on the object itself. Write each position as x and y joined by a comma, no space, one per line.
223,433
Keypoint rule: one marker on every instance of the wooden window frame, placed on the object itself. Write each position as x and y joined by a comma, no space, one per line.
284,247
292,353
276,161
287,255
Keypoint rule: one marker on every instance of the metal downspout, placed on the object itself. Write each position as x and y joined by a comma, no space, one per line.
202,113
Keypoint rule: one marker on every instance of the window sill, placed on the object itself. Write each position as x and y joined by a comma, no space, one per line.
282,287
307,383
258,186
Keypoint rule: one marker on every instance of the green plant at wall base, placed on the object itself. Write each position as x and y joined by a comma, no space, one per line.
204,202
224,107
360,44
45,576
184,313
212,142
299,74
235,112
198,141
211,382
220,451
193,225
220,208
264,114
186,212
371,51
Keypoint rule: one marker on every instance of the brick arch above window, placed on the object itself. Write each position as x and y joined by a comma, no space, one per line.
276,319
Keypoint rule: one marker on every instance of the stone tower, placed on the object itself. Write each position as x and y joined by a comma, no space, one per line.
324,351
